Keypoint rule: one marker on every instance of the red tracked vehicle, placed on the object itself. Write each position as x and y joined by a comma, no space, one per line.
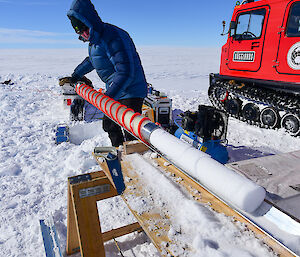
259,79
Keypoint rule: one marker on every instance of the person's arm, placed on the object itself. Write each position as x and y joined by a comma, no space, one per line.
122,61
82,69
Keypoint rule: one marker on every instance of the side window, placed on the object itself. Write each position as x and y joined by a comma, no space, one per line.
250,24
293,26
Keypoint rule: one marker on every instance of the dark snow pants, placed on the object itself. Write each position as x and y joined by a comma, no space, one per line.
114,131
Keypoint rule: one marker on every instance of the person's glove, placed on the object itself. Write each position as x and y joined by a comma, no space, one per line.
101,91
72,81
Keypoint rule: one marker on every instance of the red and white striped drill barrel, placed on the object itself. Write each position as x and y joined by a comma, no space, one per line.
125,117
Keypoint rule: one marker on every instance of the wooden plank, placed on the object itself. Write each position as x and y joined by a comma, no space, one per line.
114,233
72,236
134,147
84,231
87,224
98,174
203,196
95,185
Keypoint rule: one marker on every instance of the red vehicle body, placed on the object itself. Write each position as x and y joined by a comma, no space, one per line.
262,52
270,49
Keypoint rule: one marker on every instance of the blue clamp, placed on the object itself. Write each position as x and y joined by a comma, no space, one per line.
114,166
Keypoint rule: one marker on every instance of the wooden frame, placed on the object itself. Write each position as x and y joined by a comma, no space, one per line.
83,225
84,231
158,233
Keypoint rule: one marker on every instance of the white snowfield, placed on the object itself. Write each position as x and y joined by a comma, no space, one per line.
34,171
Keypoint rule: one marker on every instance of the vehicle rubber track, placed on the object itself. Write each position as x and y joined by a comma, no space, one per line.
221,91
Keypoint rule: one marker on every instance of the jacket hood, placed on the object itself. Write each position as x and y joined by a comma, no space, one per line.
84,11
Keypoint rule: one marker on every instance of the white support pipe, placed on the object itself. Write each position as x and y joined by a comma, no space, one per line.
231,187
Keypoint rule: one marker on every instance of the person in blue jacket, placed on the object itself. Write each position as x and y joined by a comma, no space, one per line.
113,55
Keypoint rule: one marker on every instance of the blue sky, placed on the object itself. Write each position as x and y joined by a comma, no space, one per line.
44,24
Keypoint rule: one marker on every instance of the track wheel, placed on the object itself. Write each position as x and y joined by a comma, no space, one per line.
269,117
291,122
221,94
250,112
233,106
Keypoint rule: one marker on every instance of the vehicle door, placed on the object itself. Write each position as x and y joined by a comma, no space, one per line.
288,57
246,44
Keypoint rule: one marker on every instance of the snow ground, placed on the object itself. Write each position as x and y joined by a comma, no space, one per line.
34,171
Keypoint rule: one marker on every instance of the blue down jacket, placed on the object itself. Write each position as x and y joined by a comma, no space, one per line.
112,53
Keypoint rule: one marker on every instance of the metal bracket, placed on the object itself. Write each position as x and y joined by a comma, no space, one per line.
103,151
80,178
